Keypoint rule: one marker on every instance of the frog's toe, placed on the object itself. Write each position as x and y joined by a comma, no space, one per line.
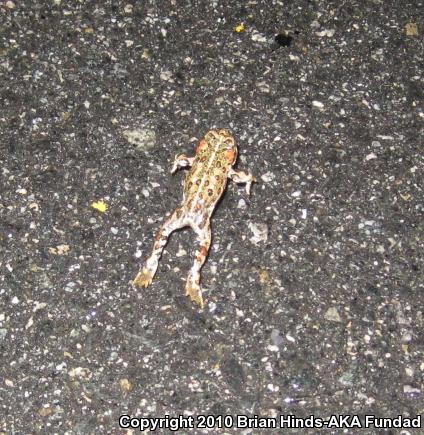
143,278
194,292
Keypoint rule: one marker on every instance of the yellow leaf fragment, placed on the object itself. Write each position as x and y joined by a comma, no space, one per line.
100,206
65,115
239,28
45,411
411,29
264,276
125,384
60,250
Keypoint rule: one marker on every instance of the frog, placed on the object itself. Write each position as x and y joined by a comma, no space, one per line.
210,169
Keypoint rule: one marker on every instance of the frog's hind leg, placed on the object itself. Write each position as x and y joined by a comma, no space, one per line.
148,271
193,289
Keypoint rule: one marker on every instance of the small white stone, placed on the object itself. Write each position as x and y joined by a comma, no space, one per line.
409,389
257,37
145,54
15,300
318,104
272,387
333,315
267,177
296,194
239,313
409,371
370,156
29,323
263,86
38,306
61,366
326,32
181,252
260,232
165,75
241,203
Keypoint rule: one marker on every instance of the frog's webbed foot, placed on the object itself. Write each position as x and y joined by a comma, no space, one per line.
194,292
181,161
143,278
148,271
242,177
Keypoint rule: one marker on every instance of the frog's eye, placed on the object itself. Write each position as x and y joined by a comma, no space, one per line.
203,144
211,137
229,144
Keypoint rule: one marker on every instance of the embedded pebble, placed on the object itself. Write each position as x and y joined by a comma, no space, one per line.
142,139
257,37
332,314
260,232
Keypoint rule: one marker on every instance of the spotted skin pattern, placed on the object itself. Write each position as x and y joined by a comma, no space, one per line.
204,185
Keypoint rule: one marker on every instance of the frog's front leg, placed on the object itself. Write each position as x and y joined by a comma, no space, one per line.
193,289
182,161
147,273
242,177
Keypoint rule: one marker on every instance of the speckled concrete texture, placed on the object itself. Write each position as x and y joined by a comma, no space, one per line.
314,283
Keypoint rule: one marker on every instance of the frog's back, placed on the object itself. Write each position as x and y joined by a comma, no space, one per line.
206,181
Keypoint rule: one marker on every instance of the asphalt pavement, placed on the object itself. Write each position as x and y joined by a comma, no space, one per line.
314,283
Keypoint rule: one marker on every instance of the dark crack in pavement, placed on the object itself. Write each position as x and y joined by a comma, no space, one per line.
314,283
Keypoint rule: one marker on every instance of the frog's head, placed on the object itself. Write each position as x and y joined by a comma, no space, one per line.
220,141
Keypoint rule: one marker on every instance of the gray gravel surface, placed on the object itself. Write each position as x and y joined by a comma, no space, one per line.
314,283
